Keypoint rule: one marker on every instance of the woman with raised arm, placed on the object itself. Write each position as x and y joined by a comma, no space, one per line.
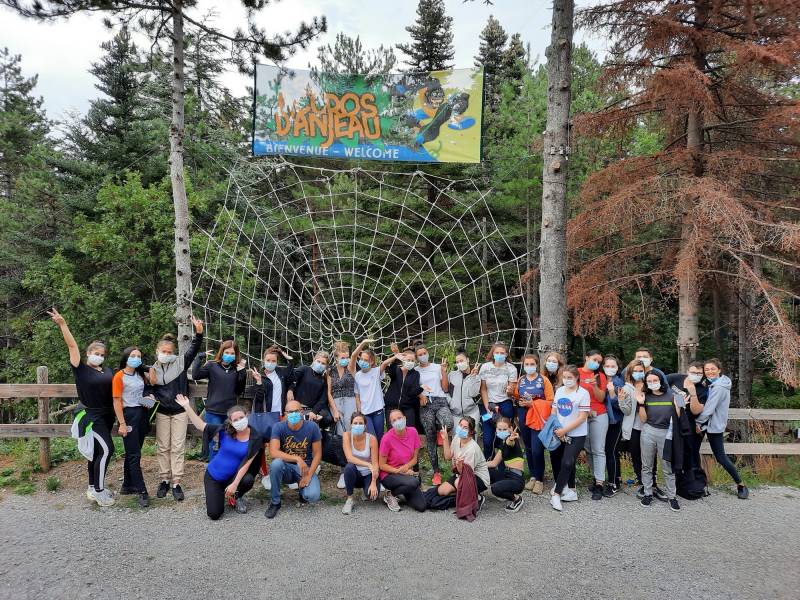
168,378
362,470
464,450
342,387
93,382
368,377
232,471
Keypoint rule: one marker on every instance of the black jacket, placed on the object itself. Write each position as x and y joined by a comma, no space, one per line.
225,384
255,446
674,448
173,380
403,392
262,400
310,389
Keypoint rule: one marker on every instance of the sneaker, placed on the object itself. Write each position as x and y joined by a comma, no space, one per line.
673,504
481,501
640,492
659,494
742,492
515,505
266,483
569,495
177,492
538,488
340,483
348,507
163,488
90,493
610,490
301,501
144,500
591,488
597,493
646,500
272,511
292,486
103,498
437,479
240,506
531,483
126,491
391,502
555,502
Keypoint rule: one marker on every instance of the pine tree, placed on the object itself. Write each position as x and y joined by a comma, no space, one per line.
431,48
490,56
348,57
514,63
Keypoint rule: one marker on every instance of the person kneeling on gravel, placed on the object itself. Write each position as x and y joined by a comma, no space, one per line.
232,471
295,446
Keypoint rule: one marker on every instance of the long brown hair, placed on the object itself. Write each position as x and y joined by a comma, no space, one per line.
224,346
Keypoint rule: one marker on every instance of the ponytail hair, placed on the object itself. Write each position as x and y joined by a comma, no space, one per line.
228,425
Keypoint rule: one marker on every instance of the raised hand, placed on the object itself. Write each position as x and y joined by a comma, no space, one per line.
56,316
256,376
395,348
242,364
197,324
182,400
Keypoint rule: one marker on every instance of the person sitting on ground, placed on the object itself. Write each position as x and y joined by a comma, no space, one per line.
399,450
464,450
232,471
362,470
296,450
506,467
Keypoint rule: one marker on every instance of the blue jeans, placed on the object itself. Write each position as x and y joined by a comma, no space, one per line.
506,410
534,449
283,472
375,424
214,419
262,422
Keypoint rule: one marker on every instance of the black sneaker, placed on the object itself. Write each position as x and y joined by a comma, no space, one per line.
515,505
163,488
659,494
272,511
610,490
590,488
673,504
640,492
144,500
646,500
177,492
742,492
241,506
126,491
300,500
597,492
482,501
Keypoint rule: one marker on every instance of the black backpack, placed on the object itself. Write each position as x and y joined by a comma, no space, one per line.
691,484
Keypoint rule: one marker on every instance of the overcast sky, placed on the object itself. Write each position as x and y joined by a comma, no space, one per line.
62,52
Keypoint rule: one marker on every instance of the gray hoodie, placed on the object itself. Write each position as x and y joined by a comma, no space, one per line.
715,412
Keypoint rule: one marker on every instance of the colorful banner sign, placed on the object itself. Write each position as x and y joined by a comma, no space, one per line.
418,117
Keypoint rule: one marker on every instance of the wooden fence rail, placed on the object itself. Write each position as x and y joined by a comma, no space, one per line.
44,430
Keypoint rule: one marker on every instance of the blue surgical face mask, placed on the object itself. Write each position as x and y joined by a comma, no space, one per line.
499,357
318,367
399,425
270,366
712,379
343,362
423,359
637,375
363,364
592,365
646,361
358,428
503,434
228,358
530,369
134,362
552,366
461,432
294,418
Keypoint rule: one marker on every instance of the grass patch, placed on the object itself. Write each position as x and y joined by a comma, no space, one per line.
52,483
8,480
25,489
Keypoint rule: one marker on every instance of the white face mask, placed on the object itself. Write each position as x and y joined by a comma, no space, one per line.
610,371
646,362
568,382
409,364
694,377
654,386
240,425
462,366
167,358
95,360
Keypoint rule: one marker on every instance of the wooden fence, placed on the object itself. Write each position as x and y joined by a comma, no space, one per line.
44,430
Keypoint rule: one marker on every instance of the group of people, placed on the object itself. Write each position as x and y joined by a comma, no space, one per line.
342,409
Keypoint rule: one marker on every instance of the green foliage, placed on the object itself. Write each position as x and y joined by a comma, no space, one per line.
25,489
52,483
431,46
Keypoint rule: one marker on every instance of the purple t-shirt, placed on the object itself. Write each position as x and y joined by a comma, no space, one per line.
399,450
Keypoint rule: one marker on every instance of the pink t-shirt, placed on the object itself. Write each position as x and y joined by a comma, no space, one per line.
399,450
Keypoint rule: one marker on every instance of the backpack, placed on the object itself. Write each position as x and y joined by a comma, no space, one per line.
691,483
81,431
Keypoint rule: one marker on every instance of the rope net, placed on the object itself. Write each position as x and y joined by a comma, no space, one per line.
302,256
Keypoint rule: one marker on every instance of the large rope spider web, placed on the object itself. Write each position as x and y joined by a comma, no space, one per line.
302,256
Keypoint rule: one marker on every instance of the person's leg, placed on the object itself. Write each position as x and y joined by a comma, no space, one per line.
635,448
162,446
567,463
103,449
347,410
215,497
598,428
525,433
375,424
537,454
350,477
666,466
178,425
136,418
311,493
246,484
411,417
279,472
612,453
428,415
503,488
487,433
556,457
213,419
649,446
717,444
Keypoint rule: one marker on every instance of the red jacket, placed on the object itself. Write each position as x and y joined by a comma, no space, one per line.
467,495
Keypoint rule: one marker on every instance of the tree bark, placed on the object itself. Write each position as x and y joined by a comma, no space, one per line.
747,300
183,267
553,253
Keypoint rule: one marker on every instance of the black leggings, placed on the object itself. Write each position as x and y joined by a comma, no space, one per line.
566,454
505,484
613,467
102,423
408,487
215,493
136,419
715,440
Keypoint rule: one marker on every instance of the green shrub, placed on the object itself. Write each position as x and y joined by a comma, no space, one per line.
25,489
52,483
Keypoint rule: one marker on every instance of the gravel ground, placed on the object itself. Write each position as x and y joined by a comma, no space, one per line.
59,546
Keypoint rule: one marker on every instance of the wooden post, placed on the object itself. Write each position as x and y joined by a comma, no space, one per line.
44,417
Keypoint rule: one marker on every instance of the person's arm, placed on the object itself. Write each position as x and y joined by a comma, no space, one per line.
234,485
641,407
348,453
276,452
485,396
201,371
316,457
116,392
194,347
184,402
446,449
582,417
385,364
710,407
331,403
498,456
383,463
598,392
406,468
354,356
72,345
445,383
322,399
694,402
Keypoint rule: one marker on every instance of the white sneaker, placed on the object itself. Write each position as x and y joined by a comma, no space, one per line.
555,502
291,486
103,498
90,493
569,495
340,483
391,502
348,506
266,483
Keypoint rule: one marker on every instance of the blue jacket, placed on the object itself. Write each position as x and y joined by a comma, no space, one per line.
612,404
548,436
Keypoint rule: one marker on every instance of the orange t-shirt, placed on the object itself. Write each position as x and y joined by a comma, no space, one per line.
586,381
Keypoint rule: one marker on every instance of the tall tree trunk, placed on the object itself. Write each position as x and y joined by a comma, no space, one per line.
553,253
747,300
484,312
183,266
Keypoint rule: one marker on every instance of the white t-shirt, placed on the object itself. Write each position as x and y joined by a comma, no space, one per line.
431,375
497,379
368,387
277,390
569,405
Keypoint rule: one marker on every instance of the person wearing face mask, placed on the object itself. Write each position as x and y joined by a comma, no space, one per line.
712,419
227,377
434,408
296,450
615,382
404,391
553,364
93,382
656,406
369,387
272,390
232,471
310,388
644,356
168,378
571,406
341,389
399,451
464,450
594,381
130,405
496,376
533,396
361,450
506,468
695,389
464,388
